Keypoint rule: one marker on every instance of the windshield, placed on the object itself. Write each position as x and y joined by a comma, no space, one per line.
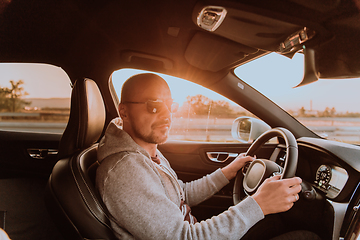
328,107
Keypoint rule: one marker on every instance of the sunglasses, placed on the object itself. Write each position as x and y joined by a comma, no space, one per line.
156,106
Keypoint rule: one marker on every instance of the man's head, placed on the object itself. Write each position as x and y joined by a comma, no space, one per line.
146,108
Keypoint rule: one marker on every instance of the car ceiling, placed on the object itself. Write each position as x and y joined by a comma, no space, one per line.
94,38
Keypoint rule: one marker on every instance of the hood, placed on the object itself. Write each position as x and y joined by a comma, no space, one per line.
117,140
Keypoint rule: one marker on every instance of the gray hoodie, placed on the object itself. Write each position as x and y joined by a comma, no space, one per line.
144,198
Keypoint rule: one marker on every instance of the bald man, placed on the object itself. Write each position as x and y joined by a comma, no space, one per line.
142,192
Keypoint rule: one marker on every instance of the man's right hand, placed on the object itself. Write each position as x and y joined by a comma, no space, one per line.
277,195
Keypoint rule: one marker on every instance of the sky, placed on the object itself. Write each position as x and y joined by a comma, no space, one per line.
40,80
279,75
273,75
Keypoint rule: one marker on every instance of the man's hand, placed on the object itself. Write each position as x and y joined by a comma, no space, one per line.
277,195
230,170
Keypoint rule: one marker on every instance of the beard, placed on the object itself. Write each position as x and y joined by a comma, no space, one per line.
157,136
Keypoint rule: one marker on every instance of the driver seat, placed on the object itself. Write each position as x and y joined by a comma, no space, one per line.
71,197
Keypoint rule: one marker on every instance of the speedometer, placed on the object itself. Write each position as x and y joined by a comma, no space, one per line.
323,176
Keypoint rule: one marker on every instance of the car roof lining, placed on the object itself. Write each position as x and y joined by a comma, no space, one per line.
88,39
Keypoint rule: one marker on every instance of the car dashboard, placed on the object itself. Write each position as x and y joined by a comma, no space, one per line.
333,171
331,167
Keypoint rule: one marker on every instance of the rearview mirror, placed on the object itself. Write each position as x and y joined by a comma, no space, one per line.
247,129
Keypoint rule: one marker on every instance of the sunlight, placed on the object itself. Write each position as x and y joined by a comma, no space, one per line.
179,90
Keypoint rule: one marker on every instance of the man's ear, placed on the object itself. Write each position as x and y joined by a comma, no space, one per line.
123,111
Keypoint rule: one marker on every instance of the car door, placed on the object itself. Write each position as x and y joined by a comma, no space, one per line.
32,120
25,166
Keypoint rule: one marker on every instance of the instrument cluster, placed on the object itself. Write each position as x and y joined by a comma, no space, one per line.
330,179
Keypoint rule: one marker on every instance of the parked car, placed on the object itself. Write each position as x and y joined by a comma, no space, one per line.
86,49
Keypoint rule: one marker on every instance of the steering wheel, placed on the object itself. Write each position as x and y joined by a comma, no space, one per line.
260,169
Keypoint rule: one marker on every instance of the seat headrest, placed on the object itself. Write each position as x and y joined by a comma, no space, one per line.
86,120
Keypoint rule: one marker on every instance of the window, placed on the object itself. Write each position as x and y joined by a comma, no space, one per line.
328,107
203,115
34,97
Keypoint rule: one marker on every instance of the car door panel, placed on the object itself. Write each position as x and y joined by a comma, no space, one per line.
191,161
27,154
25,166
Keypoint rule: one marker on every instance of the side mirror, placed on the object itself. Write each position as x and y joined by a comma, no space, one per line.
247,129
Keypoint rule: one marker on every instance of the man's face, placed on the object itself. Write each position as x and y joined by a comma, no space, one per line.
144,125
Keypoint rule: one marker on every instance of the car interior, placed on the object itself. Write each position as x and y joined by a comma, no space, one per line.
54,196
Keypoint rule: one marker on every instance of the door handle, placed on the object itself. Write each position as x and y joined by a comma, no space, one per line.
220,157
41,153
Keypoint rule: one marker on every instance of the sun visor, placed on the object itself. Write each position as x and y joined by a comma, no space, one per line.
245,26
213,53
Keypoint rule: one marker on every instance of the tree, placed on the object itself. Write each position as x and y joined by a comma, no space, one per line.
328,112
203,106
10,98
333,112
198,104
222,109
302,112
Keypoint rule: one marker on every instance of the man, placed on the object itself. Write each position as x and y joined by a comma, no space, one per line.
3,235
142,192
